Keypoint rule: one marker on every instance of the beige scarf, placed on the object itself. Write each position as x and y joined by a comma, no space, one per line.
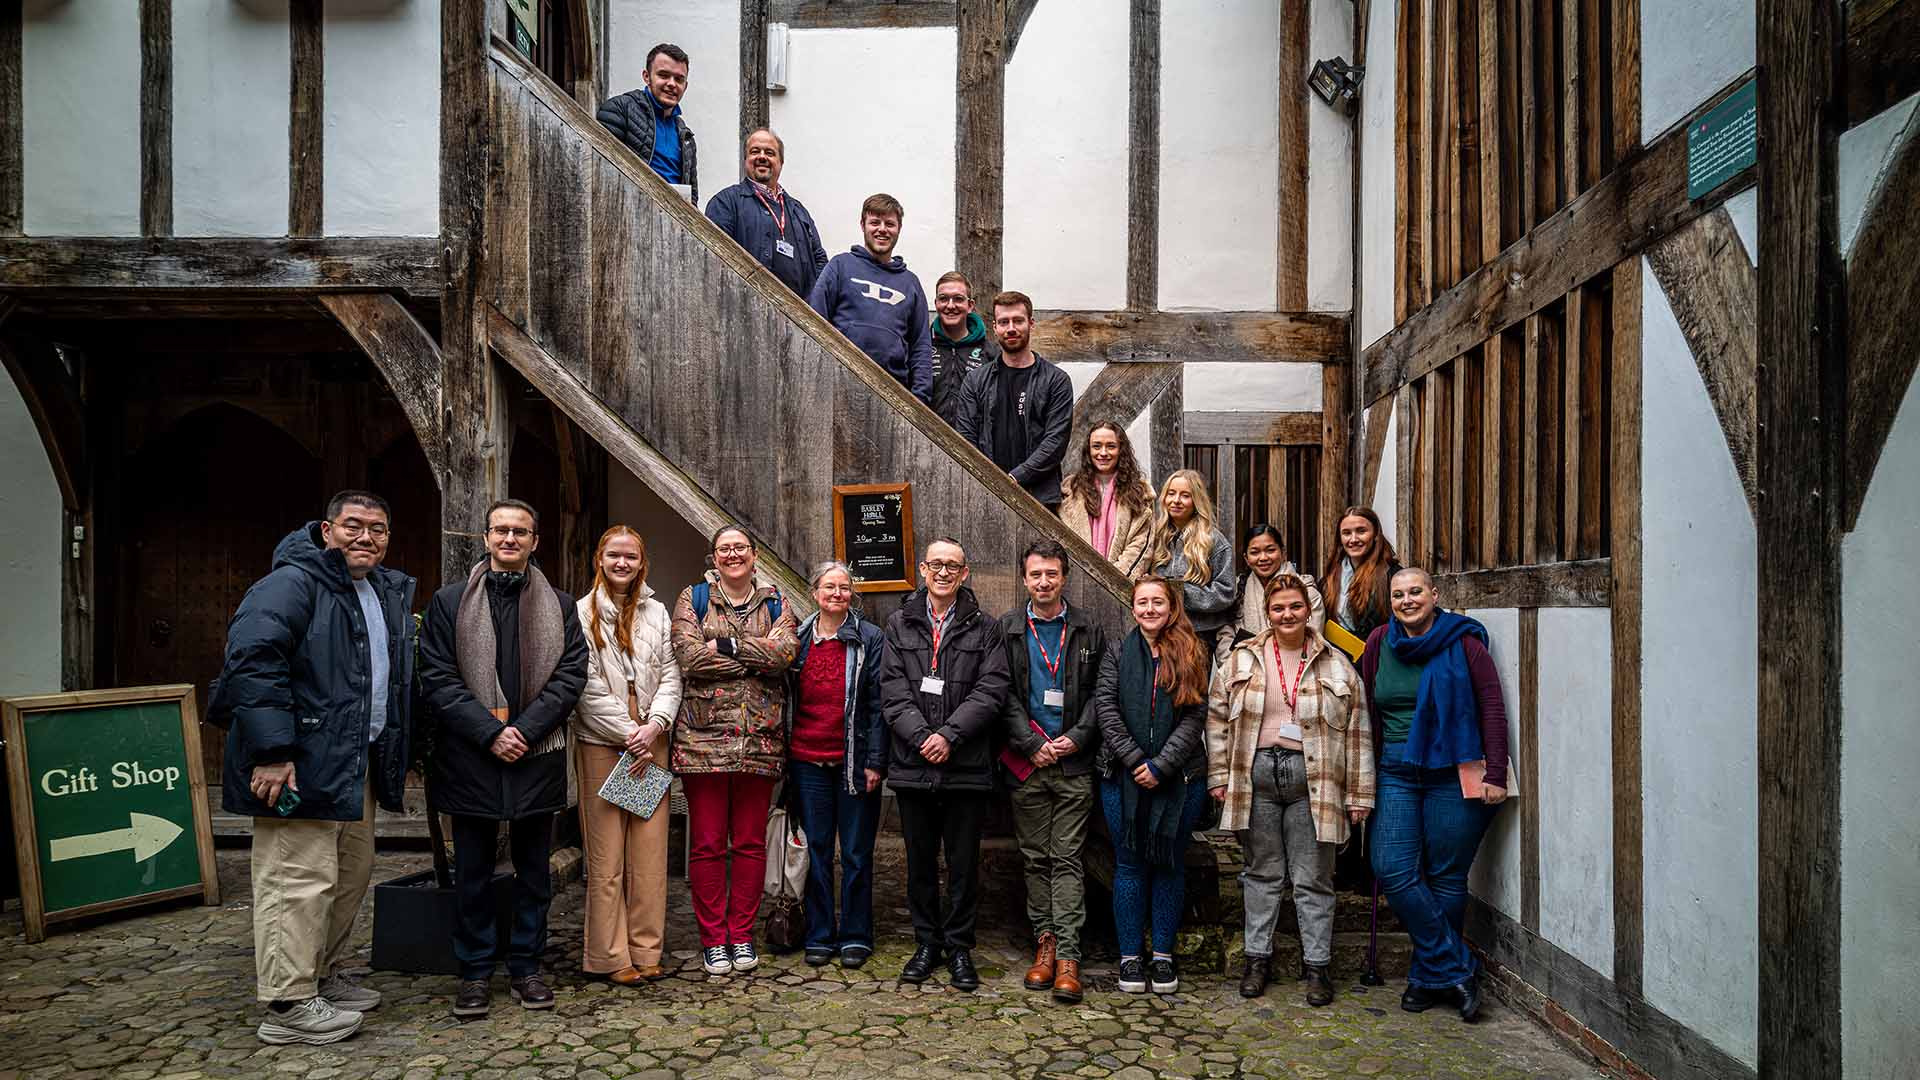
543,636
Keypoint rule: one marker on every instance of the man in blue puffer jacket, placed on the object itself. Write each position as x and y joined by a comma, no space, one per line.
869,295
317,681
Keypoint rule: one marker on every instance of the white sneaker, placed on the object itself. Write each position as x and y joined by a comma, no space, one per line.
314,1021
349,995
744,958
715,961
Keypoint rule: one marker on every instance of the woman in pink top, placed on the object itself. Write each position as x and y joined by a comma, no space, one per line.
1106,501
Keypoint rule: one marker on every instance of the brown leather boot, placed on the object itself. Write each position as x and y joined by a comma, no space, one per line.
1040,975
1066,981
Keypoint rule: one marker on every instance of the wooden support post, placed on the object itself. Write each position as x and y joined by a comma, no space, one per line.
1573,361
1291,260
1407,166
1405,424
1143,159
1800,460
1169,442
1336,422
754,107
979,143
1884,344
156,117
306,133
12,145
1624,541
1493,445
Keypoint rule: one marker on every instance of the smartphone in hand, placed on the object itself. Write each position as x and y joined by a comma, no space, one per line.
288,802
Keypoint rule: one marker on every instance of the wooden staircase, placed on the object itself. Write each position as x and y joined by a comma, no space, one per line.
702,374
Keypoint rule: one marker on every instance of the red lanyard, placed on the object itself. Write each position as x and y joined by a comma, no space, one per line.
1291,698
939,625
1052,662
779,219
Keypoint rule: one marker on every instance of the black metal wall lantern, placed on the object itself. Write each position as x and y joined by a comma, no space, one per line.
1337,83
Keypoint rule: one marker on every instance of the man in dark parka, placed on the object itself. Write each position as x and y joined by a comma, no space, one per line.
502,661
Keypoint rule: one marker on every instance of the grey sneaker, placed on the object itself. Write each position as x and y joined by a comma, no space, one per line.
314,1021
347,994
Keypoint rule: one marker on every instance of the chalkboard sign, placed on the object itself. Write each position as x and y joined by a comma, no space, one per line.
873,535
109,802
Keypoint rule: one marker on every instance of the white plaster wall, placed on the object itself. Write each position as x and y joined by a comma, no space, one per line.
1378,111
230,99
1866,153
1879,767
1700,859
80,119
1576,783
1744,209
1066,158
1385,496
1496,870
1329,167
1688,51
29,555
868,111
382,118
1225,387
1219,137
710,34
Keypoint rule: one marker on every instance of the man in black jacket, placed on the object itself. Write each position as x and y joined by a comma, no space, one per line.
1053,656
767,220
502,662
943,680
648,120
319,663
960,342
1019,412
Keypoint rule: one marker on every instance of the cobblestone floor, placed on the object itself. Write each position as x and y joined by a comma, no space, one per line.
170,994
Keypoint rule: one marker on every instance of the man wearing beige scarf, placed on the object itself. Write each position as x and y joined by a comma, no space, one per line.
502,663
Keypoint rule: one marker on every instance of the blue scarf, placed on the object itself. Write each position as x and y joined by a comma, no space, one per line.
1446,716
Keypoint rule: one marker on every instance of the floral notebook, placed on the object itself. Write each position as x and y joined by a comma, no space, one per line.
639,795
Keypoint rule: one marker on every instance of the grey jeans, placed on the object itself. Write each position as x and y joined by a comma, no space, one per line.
1279,844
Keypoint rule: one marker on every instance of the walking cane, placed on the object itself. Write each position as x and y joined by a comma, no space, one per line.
1371,976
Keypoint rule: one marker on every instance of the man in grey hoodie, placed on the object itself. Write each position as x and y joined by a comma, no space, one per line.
869,295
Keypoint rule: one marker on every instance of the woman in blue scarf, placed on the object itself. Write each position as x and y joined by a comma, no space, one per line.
1151,702
1440,737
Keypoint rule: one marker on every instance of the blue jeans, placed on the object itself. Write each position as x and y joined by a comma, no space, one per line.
1135,880
827,813
1422,837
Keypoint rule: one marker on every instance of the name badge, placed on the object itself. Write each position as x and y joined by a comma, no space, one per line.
933,684
1054,699
783,247
1290,731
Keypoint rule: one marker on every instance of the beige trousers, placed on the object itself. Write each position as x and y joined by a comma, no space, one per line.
626,869
308,880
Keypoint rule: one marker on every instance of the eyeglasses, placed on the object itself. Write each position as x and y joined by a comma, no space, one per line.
734,549
501,532
943,569
353,530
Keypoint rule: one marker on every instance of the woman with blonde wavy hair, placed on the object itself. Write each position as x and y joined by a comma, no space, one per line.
1187,548
629,702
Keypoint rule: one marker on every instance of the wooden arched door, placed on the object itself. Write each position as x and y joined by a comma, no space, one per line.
206,503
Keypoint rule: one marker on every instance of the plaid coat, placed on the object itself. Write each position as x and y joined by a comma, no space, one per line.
733,708
1336,735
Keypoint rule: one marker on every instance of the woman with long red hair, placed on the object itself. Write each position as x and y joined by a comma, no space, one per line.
629,702
1151,702
1359,569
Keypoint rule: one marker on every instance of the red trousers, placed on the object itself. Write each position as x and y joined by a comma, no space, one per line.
726,870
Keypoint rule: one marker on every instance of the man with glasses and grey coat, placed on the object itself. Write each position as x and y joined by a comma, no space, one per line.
314,694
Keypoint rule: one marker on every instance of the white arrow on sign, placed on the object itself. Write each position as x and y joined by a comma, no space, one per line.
145,835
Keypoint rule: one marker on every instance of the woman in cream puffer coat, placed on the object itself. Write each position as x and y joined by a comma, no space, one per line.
628,705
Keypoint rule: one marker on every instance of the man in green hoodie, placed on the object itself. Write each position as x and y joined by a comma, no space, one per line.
960,342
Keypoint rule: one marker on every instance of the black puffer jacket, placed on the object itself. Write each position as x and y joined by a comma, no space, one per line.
973,664
1086,645
630,117
295,684
463,776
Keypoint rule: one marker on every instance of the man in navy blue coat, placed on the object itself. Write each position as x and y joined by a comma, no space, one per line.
767,220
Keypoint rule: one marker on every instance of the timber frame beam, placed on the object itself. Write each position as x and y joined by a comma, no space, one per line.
406,357
1119,337
409,264
53,402
1883,337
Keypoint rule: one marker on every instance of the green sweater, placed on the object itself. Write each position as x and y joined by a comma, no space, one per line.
1396,687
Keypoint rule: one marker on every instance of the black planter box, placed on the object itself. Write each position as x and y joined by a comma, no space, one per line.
413,920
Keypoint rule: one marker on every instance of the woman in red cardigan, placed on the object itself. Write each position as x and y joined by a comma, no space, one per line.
1440,736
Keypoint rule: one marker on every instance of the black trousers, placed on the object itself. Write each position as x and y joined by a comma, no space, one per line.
931,821
475,939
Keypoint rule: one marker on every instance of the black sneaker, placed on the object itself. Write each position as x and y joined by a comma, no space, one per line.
852,956
1418,999
1160,971
1133,975
819,957
716,960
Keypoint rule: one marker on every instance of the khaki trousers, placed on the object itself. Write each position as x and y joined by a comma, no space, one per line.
309,878
626,869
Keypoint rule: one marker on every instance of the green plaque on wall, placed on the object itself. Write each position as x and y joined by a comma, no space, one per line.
1723,143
